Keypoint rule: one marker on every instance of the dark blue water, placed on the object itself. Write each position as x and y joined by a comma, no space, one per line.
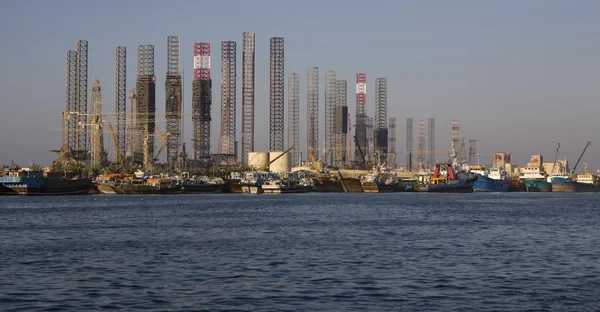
305,252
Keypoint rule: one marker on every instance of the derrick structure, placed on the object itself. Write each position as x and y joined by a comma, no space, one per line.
421,145
248,56
391,158
69,134
294,116
277,99
173,100
409,143
431,142
228,102
472,152
370,139
82,78
361,116
201,103
330,103
380,122
97,153
146,101
312,113
341,124
134,140
121,97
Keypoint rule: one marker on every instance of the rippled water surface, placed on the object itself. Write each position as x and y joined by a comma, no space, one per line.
304,252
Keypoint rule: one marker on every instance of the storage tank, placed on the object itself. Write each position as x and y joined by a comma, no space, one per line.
258,159
282,164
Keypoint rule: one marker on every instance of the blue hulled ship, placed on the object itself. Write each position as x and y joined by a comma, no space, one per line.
494,180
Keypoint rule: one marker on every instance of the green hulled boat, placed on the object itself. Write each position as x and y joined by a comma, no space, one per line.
538,185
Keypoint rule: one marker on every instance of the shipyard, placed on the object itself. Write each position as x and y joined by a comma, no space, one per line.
358,154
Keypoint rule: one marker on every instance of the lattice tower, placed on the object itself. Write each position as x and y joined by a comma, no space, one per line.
98,155
421,145
330,102
70,118
380,120
312,116
201,103
121,97
228,100
146,101
82,78
134,141
454,142
391,157
409,143
248,57
341,123
370,139
173,99
431,142
294,116
472,152
361,116
277,99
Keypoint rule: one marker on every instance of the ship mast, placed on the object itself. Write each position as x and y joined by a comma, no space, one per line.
555,157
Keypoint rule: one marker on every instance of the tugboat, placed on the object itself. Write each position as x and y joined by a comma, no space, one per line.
448,183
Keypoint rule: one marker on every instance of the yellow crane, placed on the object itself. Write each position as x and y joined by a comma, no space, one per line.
163,141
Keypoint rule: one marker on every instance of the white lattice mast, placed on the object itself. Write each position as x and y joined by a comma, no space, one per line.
330,101
248,56
380,120
201,103
294,116
391,159
341,123
409,143
276,96
97,153
121,97
173,101
312,116
361,116
228,98
421,145
431,142
82,89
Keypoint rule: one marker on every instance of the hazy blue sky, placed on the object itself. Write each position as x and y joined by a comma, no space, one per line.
519,75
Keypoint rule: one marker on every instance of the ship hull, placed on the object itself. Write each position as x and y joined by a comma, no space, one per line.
351,185
466,187
252,189
486,184
380,188
561,185
145,190
50,187
232,186
327,186
287,189
538,186
516,186
203,188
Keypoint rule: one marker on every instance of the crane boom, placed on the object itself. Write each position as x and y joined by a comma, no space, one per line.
555,157
361,152
114,138
577,163
274,159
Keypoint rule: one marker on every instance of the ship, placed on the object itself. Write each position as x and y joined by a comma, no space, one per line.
203,185
448,182
492,180
128,184
33,183
252,181
570,185
534,176
287,185
380,181
232,183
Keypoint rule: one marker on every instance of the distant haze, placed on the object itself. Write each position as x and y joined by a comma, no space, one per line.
519,75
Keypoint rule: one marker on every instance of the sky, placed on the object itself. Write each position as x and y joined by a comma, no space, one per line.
520,76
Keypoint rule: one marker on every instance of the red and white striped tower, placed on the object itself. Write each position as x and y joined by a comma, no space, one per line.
201,103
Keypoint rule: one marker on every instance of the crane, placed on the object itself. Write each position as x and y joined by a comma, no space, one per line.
120,158
163,141
577,163
555,157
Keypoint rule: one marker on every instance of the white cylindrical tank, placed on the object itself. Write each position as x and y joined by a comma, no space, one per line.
282,164
258,159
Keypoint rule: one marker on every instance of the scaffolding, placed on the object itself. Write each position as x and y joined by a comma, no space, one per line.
277,102
312,105
69,141
146,101
121,96
97,153
391,155
173,101
201,103
248,57
330,103
341,124
380,120
294,116
431,142
409,143
361,116
82,78
421,146
228,103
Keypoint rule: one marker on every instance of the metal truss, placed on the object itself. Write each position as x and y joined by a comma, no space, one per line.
69,118
361,116
146,101
98,155
341,123
248,58
82,77
431,142
294,116
277,99
380,120
121,96
228,98
134,141
330,102
421,145
312,116
409,143
201,103
391,157
173,101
